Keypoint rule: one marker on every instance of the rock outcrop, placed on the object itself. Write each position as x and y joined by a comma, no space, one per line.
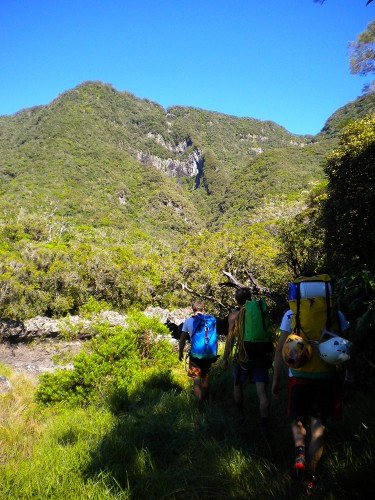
174,167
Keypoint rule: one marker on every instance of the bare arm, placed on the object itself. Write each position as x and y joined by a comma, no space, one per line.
230,337
181,345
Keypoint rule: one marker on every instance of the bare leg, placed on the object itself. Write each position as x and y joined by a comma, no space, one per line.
204,387
200,387
299,436
261,388
316,444
197,388
299,433
238,396
238,393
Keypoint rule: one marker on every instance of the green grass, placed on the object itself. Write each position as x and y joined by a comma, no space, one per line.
157,443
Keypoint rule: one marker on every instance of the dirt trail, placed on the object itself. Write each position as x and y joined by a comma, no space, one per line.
34,358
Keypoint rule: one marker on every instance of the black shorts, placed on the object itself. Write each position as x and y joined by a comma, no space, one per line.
256,371
319,398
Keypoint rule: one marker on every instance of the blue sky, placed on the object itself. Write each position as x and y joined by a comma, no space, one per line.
280,60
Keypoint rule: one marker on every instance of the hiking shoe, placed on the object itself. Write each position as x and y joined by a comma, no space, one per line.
298,467
310,485
300,462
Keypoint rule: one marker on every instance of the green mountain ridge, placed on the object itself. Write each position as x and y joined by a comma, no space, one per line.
91,153
106,196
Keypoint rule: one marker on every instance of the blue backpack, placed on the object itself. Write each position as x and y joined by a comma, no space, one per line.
204,336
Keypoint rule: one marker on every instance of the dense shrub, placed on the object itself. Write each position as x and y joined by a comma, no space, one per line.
356,291
113,360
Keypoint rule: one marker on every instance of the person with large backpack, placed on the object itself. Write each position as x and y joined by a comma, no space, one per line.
201,328
310,344
249,334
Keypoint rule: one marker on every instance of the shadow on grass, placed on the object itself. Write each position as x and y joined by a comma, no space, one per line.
164,445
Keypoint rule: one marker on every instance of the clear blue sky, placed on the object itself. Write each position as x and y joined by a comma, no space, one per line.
280,60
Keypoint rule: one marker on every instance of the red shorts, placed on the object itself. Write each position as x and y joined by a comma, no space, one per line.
319,398
200,367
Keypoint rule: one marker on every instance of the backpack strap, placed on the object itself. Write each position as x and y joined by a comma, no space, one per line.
329,308
194,329
202,319
206,337
297,327
329,311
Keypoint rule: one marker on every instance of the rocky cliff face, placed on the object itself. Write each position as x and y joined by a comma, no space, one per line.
174,167
43,328
42,344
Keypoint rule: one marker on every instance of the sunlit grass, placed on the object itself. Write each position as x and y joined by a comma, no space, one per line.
160,444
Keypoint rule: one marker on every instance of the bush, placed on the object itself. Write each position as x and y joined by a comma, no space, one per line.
356,293
113,360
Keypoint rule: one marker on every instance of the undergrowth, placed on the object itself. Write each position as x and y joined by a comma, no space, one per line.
149,439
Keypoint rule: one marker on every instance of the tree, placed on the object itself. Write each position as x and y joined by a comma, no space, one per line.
302,238
362,59
350,238
348,213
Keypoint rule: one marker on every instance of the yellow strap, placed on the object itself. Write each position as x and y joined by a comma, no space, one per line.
238,333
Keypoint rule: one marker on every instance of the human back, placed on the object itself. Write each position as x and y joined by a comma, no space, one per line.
250,361
313,311
204,336
253,331
201,328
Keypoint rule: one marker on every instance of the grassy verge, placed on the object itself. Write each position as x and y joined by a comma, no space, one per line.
159,444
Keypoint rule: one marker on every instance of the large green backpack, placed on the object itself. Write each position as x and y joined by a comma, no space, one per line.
253,331
257,327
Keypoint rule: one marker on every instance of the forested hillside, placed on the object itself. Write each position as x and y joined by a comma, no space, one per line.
87,155
109,196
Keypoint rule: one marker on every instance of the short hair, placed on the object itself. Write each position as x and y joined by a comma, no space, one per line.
242,295
197,306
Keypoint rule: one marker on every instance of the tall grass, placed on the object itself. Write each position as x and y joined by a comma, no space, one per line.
157,443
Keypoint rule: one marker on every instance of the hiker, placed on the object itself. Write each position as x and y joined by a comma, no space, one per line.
251,359
201,328
313,385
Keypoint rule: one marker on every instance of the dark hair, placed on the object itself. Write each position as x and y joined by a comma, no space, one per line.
242,295
197,306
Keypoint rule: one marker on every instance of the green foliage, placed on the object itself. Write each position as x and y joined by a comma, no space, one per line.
250,249
93,306
85,226
159,444
302,237
86,212
356,292
362,58
355,110
348,213
112,360
56,278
